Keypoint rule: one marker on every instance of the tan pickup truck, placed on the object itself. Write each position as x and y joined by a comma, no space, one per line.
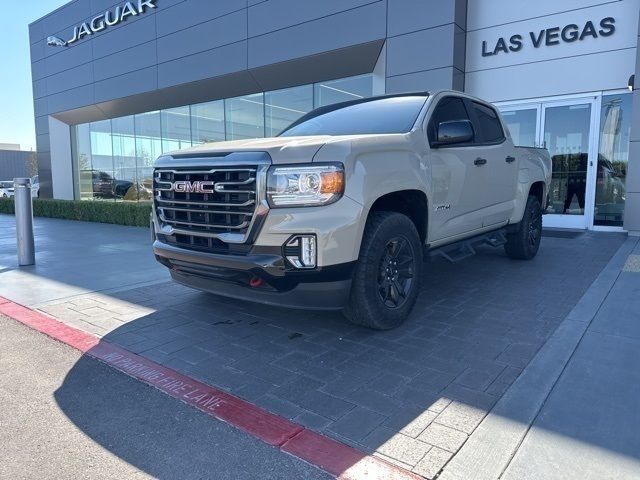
339,211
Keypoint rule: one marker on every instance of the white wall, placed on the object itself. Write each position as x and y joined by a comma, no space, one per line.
61,160
591,64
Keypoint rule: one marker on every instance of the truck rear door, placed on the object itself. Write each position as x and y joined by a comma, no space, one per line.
501,163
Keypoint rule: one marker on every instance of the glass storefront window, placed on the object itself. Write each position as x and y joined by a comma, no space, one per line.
83,161
176,128
522,125
101,159
207,122
124,158
343,90
113,159
613,157
148,148
283,107
244,117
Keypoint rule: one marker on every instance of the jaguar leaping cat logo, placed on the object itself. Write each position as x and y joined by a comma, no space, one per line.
56,42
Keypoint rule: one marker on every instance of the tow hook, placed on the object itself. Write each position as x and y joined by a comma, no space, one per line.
255,282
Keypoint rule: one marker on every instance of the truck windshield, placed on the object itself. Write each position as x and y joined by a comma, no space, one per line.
361,117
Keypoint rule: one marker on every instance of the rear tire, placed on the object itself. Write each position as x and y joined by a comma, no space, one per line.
524,242
388,273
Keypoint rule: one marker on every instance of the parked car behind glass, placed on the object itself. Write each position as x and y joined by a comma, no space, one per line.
6,189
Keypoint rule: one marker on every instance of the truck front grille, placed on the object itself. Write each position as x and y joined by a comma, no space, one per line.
196,208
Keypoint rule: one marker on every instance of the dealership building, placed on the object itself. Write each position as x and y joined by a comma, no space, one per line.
118,83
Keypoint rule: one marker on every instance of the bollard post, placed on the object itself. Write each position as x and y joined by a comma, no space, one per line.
24,221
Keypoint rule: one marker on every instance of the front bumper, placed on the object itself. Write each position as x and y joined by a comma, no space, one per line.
236,276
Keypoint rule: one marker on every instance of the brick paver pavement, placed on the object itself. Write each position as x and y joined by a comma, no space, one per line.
412,395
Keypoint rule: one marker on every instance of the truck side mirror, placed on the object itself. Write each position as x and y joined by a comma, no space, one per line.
451,133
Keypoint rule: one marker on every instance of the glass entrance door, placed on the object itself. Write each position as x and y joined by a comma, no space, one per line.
566,133
613,157
565,129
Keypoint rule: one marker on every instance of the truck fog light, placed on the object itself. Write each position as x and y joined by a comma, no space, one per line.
300,251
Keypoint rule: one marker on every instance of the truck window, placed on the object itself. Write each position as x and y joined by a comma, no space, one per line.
362,117
449,109
487,125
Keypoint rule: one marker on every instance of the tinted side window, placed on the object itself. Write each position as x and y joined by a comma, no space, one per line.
449,109
488,125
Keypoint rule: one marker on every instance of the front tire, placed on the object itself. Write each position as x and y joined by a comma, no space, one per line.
524,242
387,277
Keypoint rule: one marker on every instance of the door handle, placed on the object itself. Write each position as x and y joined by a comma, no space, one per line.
510,159
480,161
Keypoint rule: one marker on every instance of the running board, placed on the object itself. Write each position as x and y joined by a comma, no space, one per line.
457,251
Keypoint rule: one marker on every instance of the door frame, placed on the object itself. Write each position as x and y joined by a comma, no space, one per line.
585,221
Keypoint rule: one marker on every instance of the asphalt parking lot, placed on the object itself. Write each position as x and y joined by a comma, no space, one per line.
65,415
411,396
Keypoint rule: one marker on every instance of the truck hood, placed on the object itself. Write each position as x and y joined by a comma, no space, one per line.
281,149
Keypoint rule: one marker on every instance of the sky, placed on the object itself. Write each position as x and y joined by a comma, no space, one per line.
16,96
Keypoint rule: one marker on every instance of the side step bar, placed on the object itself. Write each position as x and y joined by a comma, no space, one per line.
466,248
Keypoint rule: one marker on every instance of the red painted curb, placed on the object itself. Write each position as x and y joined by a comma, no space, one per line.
340,460
269,428
319,450
49,326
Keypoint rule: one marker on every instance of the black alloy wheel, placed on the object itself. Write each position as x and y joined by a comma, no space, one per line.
386,280
395,278
535,225
524,241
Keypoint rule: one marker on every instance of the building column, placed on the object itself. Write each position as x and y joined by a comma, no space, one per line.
426,45
632,202
44,156
61,157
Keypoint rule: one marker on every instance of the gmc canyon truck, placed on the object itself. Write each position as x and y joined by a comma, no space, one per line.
338,211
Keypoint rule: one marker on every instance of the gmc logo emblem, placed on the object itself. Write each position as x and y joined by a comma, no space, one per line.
193,187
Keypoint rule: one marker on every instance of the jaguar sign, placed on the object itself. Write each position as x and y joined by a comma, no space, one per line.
103,21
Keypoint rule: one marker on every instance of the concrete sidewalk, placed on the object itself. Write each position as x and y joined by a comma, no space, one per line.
575,411
75,258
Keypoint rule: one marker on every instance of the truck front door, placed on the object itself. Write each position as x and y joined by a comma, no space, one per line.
457,204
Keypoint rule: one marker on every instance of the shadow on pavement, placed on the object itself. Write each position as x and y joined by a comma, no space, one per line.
162,437
412,395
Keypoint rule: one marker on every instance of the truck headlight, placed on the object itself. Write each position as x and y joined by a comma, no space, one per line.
305,185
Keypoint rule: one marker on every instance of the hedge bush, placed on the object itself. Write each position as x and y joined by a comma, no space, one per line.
120,213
